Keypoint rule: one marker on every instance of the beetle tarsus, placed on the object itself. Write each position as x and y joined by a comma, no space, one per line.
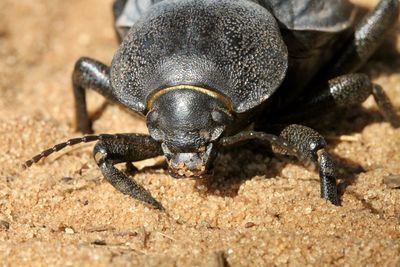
385,106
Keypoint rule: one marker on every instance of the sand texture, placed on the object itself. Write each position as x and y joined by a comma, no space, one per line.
257,210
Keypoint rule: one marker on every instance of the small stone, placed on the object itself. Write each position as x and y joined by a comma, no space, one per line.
69,231
83,168
249,224
4,225
307,210
392,181
67,180
99,242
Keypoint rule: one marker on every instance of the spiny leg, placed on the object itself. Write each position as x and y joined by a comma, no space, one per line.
343,91
368,35
302,142
128,148
89,73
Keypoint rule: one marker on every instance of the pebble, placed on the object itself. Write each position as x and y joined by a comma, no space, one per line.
4,225
69,231
392,181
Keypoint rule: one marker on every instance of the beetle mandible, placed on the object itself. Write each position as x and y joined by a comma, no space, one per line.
202,71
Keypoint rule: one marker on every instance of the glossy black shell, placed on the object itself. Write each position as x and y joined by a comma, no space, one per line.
242,48
312,15
233,47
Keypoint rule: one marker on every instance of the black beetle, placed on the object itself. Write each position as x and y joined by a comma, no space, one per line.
202,71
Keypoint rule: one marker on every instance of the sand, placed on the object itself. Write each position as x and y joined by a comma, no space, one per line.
257,210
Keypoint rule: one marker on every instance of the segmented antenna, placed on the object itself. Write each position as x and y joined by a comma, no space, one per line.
70,142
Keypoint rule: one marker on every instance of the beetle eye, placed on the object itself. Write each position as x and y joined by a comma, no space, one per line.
221,116
152,116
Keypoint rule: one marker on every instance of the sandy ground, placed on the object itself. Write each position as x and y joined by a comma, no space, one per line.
257,210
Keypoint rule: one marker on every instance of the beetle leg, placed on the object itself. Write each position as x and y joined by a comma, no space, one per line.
385,106
88,73
127,12
118,8
343,91
367,37
128,148
304,143
312,146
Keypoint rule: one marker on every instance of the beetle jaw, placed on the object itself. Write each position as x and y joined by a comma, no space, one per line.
190,164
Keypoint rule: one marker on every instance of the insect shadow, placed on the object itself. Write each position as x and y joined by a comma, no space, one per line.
236,165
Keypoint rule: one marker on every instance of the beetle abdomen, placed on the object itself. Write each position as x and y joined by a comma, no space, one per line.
233,47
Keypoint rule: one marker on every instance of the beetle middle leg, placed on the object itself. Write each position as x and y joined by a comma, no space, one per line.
126,148
312,146
343,91
304,143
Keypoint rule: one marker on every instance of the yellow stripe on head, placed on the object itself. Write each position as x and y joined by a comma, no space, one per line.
227,102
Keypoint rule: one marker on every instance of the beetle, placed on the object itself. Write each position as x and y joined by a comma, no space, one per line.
213,73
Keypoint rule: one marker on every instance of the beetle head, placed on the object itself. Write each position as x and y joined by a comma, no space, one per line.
188,121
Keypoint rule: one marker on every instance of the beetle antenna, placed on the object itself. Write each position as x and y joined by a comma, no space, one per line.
70,142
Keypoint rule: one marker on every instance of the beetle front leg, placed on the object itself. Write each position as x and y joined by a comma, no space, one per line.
127,148
367,37
89,73
304,143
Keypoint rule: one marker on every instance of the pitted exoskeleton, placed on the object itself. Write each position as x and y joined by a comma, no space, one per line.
202,71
